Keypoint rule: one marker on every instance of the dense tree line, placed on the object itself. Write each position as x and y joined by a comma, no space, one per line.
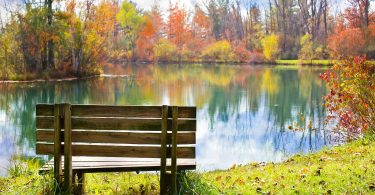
76,37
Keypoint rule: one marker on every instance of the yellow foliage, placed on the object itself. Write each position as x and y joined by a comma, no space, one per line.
221,50
164,50
270,82
270,46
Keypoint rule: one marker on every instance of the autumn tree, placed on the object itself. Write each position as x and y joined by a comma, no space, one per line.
178,29
307,48
201,32
270,45
347,42
354,31
253,27
150,34
132,22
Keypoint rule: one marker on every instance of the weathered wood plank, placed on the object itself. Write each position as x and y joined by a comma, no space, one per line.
184,112
128,111
117,124
115,137
113,164
44,109
120,168
116,111
100,162
84,159
116,150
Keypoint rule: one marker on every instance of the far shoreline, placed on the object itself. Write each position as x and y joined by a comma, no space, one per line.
62,79
291,63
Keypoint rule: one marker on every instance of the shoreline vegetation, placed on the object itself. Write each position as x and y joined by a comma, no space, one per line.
45,77
341,169
61,79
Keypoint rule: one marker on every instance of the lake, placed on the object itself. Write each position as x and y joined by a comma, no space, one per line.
244,113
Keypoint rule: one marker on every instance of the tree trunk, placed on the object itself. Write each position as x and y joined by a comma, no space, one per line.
50,44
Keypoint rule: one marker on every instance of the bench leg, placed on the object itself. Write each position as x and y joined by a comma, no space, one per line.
170,179
81,183
168,182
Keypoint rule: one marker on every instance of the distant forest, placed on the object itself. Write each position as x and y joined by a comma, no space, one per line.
77,37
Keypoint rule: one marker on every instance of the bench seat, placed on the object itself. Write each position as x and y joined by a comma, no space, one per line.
117,164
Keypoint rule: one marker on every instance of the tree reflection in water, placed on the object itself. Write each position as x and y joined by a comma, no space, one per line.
243,111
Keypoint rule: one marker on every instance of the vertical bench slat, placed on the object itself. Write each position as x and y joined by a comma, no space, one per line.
163,159
57,144
174,149
68,173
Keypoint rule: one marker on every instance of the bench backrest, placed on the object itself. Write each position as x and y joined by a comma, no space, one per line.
115,131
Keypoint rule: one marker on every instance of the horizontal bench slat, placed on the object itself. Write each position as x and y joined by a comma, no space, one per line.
132,163
117,124
115,137
117,111
116,151
44,110
108,164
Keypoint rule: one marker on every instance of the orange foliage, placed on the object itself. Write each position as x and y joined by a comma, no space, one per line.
149,35
241,54
200,33
145,40
177,26
348,42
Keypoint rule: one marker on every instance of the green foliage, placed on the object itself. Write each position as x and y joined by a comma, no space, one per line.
164,50
24,178
122,183
132,22
309,51
11,59
270,45
220,50
307,48
129,18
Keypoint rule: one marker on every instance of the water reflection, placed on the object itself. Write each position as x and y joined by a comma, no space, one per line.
243,111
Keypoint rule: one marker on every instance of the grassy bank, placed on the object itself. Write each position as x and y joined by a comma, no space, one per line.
306,62
348,169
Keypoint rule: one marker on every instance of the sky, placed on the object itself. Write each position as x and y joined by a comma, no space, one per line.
187,4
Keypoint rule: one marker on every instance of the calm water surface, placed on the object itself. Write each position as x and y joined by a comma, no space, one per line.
244,112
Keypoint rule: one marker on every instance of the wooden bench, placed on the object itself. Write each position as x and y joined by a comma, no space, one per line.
101,138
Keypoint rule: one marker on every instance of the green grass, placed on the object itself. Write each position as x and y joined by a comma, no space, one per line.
348,169
306,62
24,178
